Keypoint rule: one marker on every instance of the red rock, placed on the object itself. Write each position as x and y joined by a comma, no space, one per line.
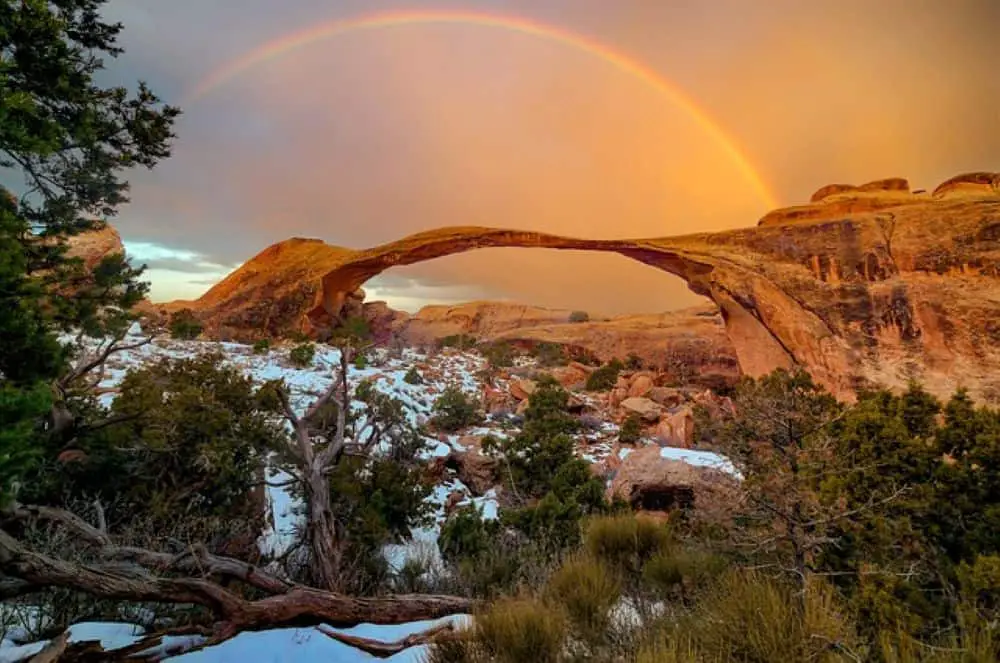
643,407
641,385
522,389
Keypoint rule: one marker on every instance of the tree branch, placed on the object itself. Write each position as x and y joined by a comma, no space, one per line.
380,649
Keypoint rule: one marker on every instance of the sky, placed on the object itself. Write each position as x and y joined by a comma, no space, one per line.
640,118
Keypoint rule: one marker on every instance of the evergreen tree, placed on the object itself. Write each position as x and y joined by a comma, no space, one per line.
69,140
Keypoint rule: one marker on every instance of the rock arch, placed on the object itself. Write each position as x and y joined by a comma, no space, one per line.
710,274
866,286
887,288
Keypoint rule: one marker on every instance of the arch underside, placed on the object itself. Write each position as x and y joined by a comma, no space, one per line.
680,257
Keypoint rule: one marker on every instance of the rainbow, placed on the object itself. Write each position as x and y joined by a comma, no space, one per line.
282,45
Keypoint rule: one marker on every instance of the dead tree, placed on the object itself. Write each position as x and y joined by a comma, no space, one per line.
193,577
317,445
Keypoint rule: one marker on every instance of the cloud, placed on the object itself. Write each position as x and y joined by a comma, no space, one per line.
364,138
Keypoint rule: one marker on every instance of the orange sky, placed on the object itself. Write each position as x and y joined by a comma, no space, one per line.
375,134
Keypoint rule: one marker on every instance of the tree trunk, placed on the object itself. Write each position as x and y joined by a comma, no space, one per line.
325,547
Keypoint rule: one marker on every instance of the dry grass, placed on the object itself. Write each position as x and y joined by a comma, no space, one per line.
586,590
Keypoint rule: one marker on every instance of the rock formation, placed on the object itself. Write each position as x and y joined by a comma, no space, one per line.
866,285
94,246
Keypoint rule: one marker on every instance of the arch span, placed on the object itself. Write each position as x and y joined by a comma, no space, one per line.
759,350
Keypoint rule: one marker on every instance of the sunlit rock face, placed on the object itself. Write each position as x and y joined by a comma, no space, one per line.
867,285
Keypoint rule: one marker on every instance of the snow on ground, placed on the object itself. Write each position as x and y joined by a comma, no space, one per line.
387,373
274,646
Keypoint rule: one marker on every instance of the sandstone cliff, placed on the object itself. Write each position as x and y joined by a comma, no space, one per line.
866,285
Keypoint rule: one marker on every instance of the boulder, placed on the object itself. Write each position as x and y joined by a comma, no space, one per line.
641,386
617,395
650,482
677,428
569,376
665,396
522,389
645,408
475,470
497,400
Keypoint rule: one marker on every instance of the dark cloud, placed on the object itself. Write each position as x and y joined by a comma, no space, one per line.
361,139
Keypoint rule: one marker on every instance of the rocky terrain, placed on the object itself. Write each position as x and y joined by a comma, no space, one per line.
865,285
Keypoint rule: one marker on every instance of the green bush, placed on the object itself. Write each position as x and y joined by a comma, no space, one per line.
549,354
759,620
499,354
262,347
466,534
681,569
631,430
458,341
191,440
184,325
454,410
579,316
587,591
605,377
413,376
360,361
302,355
519,630
625,541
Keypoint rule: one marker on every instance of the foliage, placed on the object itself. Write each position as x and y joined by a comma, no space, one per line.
633,362
631,430
754,619
262,347
413,376
466,534
20,410
579,316
302,356
604,378
360,361
549,354
454,410
625,541
587,590
517,630
68,140
458,341
184,325
499,354
189,440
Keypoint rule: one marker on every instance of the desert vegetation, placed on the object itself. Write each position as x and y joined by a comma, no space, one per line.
843,531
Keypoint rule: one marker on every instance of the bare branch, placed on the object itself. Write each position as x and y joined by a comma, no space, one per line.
380,649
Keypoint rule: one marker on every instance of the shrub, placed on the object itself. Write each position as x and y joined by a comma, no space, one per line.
681,569
631,430
550,354
518,630
499,354
633,362
454,410
413,376
625,541
184,325
587,590
190,440
302,355
458,341
465,534
261,347
604,378
751,618
579,316
361,361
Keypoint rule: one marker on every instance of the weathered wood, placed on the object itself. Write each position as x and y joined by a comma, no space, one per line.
381,649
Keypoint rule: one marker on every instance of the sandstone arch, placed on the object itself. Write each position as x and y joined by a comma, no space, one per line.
870,285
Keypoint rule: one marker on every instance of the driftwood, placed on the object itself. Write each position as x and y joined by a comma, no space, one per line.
136,574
